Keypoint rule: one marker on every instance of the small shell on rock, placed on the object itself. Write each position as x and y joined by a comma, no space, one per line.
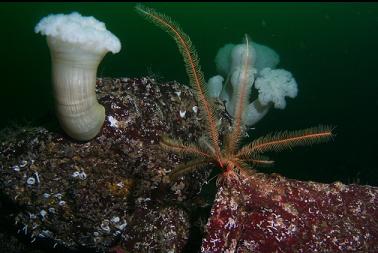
32,216
43,213
115,219
30,181
105,225
178,93
182,114
37,177
75,174
121,226
23,163
82,175
113,121
58,195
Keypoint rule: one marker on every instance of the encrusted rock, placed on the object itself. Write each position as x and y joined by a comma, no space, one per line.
74,195
269,213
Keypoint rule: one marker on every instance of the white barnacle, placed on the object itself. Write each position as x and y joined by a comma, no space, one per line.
122,226
25,229
113,121
105,225
182,114
230,224
23,163
47,233
43,214
32,216
30,181
178,93
195,109
75,174
120,184
116,233
81,175
16,168
115,219
233,204
37,177
214,241
58,195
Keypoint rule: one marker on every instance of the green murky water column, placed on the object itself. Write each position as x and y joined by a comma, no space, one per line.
331,49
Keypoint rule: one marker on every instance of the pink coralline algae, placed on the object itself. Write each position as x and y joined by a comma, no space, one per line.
270,213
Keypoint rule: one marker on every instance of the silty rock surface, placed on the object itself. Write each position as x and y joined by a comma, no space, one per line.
112,189
270,213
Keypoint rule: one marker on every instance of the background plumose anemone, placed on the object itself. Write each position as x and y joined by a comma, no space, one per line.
272,84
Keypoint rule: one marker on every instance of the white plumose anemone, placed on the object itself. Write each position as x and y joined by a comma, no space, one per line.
273,85
77,46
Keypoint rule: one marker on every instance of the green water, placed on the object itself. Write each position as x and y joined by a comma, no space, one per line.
331,49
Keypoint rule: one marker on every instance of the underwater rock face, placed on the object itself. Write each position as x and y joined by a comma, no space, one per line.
112,189
270,213
111,192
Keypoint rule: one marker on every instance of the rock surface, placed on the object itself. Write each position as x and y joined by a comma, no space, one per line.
270,213
111,194
112,189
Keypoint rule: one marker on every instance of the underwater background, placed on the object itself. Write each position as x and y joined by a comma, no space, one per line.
330,48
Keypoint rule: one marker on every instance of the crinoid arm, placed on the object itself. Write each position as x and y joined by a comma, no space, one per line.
259,161
232,140
188,167
287,140
179,148
193,69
